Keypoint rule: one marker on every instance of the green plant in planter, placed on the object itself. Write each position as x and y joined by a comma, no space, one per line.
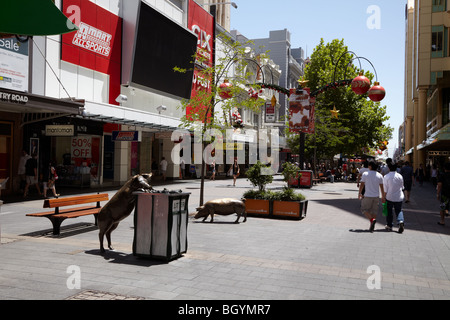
259,175
287,194
290,171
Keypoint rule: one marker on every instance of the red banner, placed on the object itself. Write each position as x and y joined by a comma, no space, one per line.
202,24
301,111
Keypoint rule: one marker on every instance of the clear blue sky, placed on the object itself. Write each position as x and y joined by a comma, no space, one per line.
309,21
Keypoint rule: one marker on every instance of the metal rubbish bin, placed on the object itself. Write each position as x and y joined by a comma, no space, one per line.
160,225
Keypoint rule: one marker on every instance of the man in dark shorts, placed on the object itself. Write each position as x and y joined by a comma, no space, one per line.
408,179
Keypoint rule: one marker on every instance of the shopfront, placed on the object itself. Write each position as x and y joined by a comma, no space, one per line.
73,145
18,112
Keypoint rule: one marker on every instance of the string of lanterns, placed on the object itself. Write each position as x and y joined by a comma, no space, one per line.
360,86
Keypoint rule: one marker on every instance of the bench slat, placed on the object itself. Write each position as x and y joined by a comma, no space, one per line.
51,213
69,201
76,214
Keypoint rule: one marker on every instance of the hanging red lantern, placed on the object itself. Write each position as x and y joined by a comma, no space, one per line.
361,84
377,92
225,90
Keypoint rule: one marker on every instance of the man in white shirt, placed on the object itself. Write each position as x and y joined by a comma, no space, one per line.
372,181
393,188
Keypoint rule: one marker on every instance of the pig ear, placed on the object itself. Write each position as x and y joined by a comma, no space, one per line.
199,208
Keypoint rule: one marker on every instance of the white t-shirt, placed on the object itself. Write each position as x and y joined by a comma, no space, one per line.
163,165
372,180
393,186
362,170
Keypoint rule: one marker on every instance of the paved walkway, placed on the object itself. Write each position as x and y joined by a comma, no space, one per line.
328,255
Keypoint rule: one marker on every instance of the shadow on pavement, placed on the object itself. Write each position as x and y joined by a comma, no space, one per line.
125,258
422,215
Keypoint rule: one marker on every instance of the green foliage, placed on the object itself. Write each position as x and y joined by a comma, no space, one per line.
286,194
361,122
208,104
290,171
259,175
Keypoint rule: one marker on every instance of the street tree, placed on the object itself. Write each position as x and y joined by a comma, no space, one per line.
345,123
222,89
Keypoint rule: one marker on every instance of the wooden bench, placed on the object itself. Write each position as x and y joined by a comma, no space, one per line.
58,216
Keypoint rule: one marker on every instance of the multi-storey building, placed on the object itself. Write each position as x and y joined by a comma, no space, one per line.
290,60
427,82
98,101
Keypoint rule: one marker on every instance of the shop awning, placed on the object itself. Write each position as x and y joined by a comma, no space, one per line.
20,102
33,18
126,116
440,141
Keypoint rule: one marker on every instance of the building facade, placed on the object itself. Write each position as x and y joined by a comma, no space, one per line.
427,83
97,101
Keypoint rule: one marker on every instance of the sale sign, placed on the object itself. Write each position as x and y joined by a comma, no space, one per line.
81,147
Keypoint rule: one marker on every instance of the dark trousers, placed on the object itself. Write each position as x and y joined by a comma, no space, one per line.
397,206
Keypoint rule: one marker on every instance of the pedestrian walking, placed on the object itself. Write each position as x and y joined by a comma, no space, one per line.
372,181
443,192
393,189
235,171
213,170
420,174
163,165
434,175
31,172
364,168
49,180
408,179
21,171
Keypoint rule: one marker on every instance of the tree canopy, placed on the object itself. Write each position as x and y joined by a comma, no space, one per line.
360,124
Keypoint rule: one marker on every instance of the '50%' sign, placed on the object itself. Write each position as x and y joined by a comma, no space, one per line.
81,147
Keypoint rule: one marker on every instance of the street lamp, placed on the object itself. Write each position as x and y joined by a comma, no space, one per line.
232,3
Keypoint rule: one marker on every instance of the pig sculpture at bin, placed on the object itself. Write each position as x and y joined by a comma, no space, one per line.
120,206
222,207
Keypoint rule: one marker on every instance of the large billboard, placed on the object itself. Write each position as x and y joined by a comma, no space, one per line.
14,64
161,45
97,44
202,24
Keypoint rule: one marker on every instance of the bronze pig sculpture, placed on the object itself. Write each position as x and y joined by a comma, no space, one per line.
222,207
120,206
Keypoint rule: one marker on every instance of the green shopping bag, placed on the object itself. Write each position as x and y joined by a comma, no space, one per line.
385,209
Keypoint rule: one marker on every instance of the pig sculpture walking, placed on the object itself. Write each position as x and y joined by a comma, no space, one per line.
120,206
223,207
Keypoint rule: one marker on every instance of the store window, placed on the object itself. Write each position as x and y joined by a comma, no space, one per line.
5,150
439,42
439,5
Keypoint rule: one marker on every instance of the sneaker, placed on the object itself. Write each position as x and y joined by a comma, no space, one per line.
401,227
388,228
372,225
